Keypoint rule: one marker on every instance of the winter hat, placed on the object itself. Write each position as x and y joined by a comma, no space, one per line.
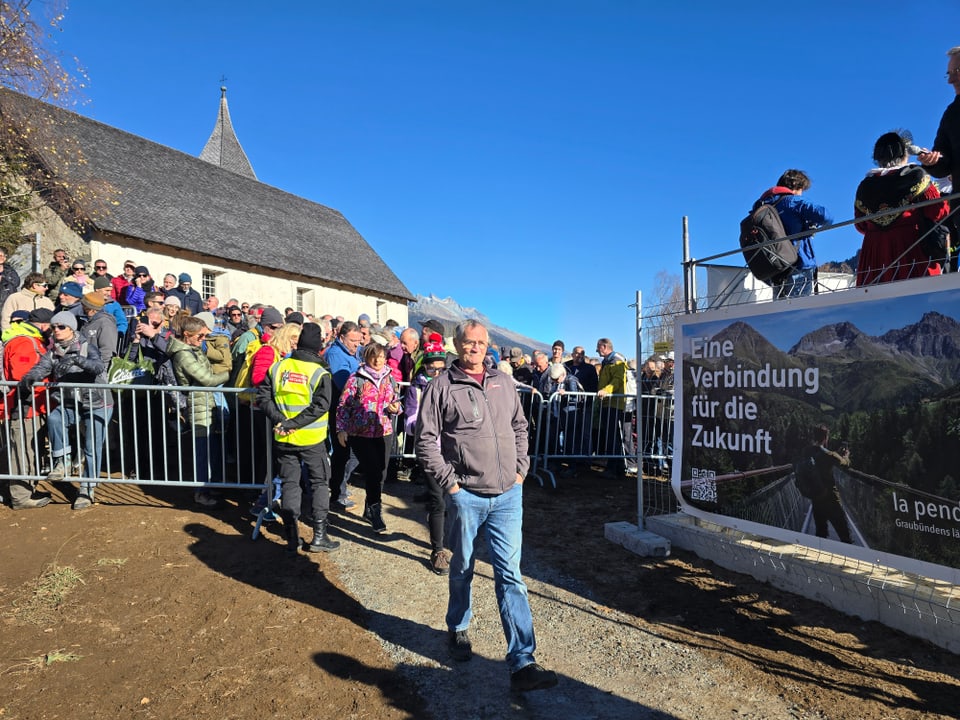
208,319
65,317
296,317
93,301
40,315
311,338
271,316
72,289
172,300
100,283
364,318
433,350
557,371
185,278
141,270
433,325
19,316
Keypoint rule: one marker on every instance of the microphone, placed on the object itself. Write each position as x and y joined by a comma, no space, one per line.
908,141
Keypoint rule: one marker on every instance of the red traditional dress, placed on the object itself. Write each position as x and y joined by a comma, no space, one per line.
890,249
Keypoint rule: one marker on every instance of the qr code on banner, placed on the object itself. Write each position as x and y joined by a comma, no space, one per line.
704,485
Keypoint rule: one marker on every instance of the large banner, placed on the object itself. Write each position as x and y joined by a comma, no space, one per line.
831,421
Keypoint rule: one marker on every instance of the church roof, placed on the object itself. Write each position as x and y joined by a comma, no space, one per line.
167,197
223,148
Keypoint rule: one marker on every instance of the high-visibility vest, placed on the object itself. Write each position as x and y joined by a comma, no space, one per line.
294,383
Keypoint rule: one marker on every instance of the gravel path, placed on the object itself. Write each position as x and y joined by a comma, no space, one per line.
611,665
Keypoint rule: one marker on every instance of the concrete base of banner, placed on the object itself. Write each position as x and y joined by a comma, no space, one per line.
636,540
918,606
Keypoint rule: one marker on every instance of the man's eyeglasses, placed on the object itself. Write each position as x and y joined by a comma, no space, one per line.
275,326
202,335
100,267
951,73
474,343
244,307
236,314
59,327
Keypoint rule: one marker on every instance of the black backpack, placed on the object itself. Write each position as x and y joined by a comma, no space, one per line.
773,260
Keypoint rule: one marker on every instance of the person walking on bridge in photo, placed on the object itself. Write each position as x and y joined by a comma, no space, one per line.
472,440
826,497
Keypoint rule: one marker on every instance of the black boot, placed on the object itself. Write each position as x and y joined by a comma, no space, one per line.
373,515
321,542
290,531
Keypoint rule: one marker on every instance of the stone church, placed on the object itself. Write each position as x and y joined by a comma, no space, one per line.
120,197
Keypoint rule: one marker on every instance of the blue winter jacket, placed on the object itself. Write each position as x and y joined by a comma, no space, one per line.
798,215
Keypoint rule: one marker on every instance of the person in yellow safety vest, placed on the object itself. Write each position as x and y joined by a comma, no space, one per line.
295,396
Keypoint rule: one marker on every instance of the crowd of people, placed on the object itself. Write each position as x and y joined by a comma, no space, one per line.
325,394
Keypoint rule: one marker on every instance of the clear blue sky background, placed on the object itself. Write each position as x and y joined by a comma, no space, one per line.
531,158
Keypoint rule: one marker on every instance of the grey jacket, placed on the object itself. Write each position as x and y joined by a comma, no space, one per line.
101,330
472,435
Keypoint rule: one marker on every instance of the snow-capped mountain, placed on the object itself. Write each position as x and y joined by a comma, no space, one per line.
450,313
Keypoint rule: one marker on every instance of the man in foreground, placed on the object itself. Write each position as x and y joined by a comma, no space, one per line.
472,440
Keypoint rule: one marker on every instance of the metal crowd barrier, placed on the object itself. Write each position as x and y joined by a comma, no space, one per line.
580,428
155,435
147,435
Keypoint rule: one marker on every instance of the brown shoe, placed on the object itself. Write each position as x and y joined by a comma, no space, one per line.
440,562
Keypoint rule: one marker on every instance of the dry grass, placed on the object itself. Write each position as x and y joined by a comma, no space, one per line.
48,593
41,661
111,561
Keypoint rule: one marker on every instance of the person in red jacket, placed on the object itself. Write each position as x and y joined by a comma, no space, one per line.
20,353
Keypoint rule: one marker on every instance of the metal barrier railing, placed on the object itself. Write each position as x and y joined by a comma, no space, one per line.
147,435
197,437
581,428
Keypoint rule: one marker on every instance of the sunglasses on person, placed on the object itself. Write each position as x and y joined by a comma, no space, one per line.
434,370
236,314
59,327
156,325
142,275
100,267
77,268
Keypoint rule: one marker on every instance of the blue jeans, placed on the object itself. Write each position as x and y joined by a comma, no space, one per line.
95,422
501,517
800,284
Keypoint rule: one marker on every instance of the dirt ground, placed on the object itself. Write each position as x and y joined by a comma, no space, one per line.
148,606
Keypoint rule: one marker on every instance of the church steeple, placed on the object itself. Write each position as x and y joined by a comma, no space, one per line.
223,149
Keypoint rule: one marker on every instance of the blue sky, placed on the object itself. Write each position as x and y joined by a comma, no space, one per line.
532,159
